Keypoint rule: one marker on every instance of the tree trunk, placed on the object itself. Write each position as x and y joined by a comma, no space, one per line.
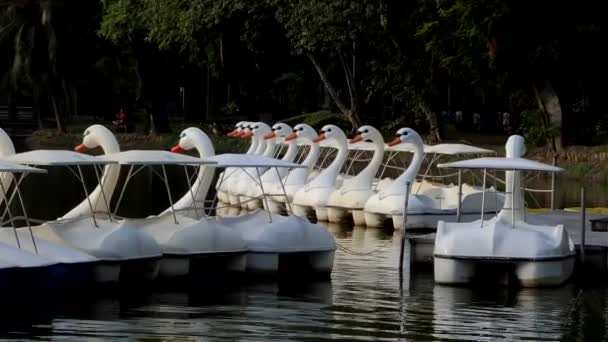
36,106
57,111
351,114
431,119
548,101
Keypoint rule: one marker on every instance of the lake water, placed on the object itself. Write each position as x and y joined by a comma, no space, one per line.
364,300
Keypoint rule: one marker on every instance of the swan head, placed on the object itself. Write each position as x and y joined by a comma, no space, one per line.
238,129
279,130
515,147
406,135
98,136
257,130
302,131
365,133
6,144
330,132
246,130
192,138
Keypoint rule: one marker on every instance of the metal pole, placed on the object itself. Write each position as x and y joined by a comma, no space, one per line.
483,195
459,208
191,192
122,191
402,252
86,192
27,219
553,185
257,170
103,192
216,199
10,214
513,200
287,203
166,180
583,223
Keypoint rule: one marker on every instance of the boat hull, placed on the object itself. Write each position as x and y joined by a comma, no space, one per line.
527,273
296,263
173,265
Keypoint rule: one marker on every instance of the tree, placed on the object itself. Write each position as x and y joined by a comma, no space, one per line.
533,46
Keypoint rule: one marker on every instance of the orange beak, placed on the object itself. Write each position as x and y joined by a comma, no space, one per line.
395,141
177,149
292,136
234,133
321,137
81,148
356,139
247,135
270,135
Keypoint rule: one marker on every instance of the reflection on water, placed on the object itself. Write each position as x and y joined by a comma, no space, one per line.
363,301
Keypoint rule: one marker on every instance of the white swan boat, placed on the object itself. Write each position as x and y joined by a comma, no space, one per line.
351,197
191,244
296,178
276,243
536,254
313,196
27,262
428,202
119,251
271,178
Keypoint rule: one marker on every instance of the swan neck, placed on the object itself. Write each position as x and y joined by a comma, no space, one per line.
372,168
270,148
313,155
253,146
292,151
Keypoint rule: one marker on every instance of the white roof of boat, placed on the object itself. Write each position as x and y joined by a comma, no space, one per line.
453,149
496,163
56,158
153,157
9,166
249,160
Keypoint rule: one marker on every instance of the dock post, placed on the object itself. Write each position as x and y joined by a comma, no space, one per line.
402,251
583,220
459,208
553,185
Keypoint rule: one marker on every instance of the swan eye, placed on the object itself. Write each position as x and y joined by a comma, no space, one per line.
404,134
328,130
183,135
365,131
256,127
301,129
86,133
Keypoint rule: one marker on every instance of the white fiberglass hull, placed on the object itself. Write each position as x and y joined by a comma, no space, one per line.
124,252
190,241
528,273
286,244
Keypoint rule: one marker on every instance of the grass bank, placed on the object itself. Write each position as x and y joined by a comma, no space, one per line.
580,162
51,139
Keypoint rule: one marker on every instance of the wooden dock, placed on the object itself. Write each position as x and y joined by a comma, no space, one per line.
593,250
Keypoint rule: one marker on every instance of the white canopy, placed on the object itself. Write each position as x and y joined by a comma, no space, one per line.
56,158
152,157
453,149
249,160
495,163
8,166
405,147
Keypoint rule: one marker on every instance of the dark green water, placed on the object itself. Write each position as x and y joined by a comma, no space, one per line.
363,301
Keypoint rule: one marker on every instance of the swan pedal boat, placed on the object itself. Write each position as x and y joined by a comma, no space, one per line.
278,244
122,251
30,262
428,202
190,246
536,255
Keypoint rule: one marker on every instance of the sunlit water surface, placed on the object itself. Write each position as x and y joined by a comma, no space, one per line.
364,300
